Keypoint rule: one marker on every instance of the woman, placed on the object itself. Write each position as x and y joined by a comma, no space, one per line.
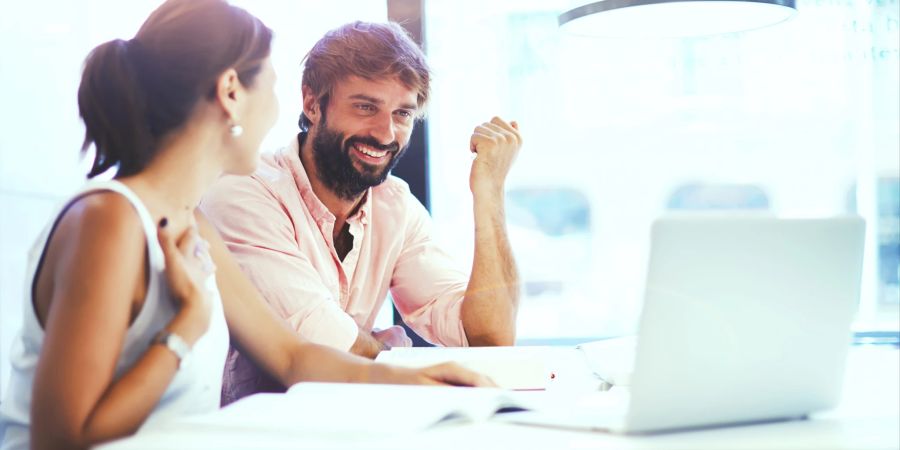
126,324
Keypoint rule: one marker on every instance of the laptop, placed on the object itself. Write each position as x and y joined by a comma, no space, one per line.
745,319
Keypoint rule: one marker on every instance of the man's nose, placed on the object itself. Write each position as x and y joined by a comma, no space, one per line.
383,129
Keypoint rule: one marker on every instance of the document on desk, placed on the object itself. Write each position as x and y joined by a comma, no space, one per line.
328,408
516,368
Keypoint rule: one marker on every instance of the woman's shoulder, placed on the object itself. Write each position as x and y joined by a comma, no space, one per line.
106,217
111,209
98,237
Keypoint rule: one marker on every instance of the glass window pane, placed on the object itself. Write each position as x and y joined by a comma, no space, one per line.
619,131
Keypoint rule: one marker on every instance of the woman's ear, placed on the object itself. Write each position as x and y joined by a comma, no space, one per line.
229,93
311,105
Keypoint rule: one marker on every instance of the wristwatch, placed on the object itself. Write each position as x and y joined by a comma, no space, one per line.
176,344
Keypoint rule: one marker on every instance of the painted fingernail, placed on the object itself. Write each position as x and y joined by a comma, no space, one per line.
163,222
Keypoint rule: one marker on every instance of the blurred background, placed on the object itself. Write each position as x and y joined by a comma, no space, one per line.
799,119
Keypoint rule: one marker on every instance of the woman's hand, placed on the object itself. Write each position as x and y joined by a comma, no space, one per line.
441,374
188,267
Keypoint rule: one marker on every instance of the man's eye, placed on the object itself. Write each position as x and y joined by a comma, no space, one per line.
365,107
404,114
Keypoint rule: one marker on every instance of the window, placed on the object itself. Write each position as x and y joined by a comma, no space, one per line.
619,131
700,197
887,231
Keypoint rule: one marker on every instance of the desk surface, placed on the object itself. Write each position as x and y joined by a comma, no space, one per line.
867,418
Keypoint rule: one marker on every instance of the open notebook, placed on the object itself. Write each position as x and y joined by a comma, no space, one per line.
326,408
517,368
530,378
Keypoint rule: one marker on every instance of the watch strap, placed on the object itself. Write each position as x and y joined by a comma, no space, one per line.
174,343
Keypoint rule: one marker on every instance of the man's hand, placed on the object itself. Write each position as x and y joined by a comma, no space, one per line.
369,344
394,336
496,144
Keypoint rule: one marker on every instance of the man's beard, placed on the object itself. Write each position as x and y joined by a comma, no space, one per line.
335,168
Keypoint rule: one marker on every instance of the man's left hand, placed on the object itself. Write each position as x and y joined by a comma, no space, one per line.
496,144
394,336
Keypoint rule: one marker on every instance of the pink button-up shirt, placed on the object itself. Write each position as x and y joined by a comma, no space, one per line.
281,235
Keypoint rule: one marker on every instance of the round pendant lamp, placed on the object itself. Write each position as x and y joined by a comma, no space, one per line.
673,18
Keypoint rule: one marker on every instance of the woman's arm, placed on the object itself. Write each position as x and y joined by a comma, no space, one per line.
270,343
97,269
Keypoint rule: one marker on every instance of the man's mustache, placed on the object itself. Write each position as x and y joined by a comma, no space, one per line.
393,147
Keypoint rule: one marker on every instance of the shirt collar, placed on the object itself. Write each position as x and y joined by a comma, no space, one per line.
291,154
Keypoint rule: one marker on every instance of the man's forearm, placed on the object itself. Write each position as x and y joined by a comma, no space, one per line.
492,296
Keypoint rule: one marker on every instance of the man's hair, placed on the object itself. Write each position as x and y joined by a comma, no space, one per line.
372,51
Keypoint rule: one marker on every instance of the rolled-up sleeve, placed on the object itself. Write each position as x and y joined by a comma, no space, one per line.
427,285
260,234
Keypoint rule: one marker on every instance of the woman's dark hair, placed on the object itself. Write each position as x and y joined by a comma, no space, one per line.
135,92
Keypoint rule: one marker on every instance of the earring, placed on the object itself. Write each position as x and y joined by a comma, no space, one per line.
236,130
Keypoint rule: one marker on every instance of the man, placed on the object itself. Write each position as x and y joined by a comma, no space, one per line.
324,232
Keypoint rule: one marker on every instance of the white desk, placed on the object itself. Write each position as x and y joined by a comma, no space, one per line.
868,418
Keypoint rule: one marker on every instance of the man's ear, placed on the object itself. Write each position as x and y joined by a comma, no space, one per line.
229,93
311,107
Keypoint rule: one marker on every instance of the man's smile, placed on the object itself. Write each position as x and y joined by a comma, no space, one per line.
369,154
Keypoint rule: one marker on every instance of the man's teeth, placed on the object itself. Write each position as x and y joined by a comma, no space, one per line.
371,152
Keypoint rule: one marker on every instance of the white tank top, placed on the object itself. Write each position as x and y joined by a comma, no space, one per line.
195,389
